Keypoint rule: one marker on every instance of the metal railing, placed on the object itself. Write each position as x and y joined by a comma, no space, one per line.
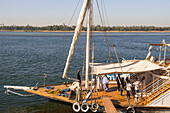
155,82
156,85
149,97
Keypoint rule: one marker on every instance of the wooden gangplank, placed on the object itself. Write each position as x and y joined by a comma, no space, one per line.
109,107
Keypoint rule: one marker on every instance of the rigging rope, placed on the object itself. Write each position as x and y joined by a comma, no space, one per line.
51,60
105,36
102,13
74,12
124,80
106,13
84,61
115,52
50,63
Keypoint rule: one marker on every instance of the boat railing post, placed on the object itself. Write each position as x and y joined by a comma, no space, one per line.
145,98
163,86
158,82
142,90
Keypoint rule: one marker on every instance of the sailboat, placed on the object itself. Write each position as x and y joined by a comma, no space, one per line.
152,72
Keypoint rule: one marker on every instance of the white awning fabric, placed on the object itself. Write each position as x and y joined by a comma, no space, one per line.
127,67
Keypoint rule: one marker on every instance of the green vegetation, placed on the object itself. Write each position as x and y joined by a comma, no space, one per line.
94,28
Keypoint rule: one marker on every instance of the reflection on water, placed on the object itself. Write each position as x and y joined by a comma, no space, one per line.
52,106
48,107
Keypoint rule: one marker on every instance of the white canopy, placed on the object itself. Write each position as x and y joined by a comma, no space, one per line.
127,67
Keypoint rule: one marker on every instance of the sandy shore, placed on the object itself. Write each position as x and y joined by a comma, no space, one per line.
82,31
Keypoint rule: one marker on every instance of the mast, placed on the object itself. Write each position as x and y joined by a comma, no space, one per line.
76,35
89,19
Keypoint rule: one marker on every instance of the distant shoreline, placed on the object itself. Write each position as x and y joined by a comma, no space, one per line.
82,31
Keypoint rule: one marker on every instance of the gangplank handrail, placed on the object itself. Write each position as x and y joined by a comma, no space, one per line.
158,83
155,80
157,86
161,92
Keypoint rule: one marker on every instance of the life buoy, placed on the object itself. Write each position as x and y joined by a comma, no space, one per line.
84,107
167,61
76,107
94,107
94,110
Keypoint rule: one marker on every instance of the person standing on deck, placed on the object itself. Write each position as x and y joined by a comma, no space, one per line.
78,76
105,83
118,83
128,88
123,85
136,84
78,90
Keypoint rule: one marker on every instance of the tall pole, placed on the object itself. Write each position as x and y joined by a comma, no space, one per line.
88,44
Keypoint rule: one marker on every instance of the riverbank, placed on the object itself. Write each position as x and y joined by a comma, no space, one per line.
73,31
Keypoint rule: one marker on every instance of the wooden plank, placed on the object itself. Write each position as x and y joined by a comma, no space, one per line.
109,107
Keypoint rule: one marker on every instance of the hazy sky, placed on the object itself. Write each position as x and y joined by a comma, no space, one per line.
50,12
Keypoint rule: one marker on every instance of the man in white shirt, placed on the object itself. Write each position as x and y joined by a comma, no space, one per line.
137,85
105,82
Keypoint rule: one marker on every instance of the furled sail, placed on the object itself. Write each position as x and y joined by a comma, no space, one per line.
76,35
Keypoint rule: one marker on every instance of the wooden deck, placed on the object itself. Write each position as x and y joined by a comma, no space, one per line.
114,96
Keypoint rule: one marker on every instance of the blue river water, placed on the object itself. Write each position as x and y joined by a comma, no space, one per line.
26,56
